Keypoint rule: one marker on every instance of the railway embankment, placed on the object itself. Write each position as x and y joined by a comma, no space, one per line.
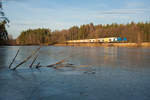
144,44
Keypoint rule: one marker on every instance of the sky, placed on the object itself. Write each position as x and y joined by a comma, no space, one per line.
63,14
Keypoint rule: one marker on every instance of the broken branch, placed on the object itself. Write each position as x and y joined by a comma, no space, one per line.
33,61
27,58
14,58
60,62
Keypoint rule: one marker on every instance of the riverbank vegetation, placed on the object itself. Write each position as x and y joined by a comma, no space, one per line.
134,32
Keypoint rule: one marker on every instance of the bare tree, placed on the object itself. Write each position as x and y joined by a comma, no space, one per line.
3,22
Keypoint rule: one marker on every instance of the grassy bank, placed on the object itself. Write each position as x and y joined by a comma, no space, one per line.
145,44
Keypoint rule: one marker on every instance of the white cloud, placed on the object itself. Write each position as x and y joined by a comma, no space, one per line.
126,11
135,5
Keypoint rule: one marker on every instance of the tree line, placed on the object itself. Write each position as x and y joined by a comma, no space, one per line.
134,32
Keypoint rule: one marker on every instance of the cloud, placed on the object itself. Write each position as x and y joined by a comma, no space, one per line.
126,11
135,5
14,0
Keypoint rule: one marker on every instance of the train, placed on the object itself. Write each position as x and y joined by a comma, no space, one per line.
100,40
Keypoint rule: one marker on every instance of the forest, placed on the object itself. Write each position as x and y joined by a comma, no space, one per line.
134,32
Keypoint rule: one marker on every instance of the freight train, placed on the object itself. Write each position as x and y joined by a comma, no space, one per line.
100,40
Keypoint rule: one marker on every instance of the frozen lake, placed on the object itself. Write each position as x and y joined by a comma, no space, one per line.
99,73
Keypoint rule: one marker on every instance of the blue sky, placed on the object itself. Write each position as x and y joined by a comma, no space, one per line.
62,14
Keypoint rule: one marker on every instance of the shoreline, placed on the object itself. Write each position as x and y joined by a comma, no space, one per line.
144,44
